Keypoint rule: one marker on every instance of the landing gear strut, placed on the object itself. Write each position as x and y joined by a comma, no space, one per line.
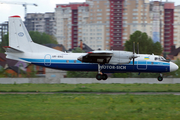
160,77
101,76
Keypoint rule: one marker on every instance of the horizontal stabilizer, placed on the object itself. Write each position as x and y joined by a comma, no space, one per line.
12,50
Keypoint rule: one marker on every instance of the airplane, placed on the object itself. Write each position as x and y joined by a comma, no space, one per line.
22,48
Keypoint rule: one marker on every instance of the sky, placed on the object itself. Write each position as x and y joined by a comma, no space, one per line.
7,10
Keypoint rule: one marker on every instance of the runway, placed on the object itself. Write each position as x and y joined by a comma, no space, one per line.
98,93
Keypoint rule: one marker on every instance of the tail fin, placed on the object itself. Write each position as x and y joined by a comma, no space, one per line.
20,39
18,36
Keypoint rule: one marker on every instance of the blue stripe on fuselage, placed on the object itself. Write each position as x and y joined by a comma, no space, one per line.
76,65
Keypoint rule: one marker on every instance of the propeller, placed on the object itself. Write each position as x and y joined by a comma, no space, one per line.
134,54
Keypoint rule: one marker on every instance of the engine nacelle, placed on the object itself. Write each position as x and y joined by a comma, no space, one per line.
121,57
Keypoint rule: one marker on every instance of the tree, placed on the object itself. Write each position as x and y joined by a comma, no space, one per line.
4,42
78,50
80,74
37,37
146,45
42,38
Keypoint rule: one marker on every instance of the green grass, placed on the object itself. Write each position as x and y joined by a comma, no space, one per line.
89,107
89,87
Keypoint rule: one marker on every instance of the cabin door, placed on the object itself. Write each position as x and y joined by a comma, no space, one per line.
141,65
47,60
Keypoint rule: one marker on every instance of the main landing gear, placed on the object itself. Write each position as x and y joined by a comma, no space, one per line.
101,76
160,77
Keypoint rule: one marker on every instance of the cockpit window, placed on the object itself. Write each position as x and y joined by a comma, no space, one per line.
160,58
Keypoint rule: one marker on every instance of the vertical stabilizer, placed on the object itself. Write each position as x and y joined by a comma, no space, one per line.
18,35
20,40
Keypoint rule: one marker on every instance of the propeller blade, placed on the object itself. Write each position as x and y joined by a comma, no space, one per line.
133,63
133,48
138,48
133,53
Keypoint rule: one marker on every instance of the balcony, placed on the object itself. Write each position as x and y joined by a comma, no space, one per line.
118,3
116,40
118,11
167,37
117,31
118,7
117,24
117,36
167,41
117,16
117,28
118,20
117,44
75,36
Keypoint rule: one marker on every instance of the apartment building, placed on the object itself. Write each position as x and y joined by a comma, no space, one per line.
98,23
136,16
3,29
168,26
41,22
69,19
177,26
156,18
108,24
79,21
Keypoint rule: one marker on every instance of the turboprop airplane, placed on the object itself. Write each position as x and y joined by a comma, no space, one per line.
22,48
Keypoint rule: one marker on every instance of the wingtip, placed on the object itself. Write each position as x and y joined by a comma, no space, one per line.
15,16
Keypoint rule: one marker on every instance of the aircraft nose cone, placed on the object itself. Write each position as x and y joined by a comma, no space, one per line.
173,67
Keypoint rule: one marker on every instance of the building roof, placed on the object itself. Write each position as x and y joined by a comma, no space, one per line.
3,56
9,62
86,48
117,48
173,53
16,69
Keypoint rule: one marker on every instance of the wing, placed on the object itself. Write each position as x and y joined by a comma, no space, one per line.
97,57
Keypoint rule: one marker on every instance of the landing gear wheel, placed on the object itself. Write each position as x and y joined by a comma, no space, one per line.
98,76
104,76
160,78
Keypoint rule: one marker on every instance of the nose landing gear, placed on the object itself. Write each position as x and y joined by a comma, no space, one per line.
101,76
